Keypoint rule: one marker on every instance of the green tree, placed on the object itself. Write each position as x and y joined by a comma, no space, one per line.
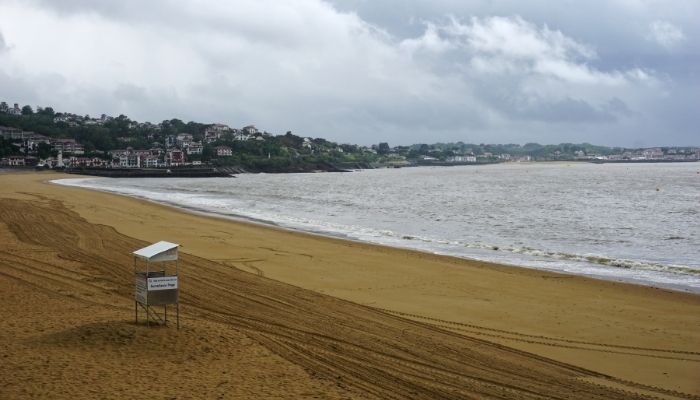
383,148
27,110
47,111
44,150
89,148
196,129
207,152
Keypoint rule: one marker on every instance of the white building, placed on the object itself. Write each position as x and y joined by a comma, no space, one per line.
16,110
86,162
214,132
183,139
151,162
12,133
13,161
195,148
653,154
174,158
129,161
67,146
461,159
130,158
223,151
250,130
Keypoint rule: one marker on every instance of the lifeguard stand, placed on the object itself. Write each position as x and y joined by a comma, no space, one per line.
159,287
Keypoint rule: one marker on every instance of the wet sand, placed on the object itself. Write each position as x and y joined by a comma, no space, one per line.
273,313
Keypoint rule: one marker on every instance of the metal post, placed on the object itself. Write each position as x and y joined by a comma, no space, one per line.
177,305
148,316
136,303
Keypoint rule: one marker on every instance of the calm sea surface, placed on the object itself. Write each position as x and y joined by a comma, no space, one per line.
630,222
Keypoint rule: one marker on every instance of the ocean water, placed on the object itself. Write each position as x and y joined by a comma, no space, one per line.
629,222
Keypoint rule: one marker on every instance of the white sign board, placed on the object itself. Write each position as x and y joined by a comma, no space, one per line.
140,291
162,283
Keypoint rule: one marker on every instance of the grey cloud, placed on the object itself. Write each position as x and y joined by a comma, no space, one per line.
110,9
128,92
569,110
618,107
263,22
564,110
363,72
614,27
16,90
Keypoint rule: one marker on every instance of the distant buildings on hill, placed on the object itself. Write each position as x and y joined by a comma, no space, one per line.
175,149
132,144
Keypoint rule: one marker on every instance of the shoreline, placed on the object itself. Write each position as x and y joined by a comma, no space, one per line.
342,236
585,322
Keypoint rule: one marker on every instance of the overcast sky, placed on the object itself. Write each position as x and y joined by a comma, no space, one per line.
613,72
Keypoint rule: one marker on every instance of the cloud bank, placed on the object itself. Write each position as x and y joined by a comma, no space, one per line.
347,74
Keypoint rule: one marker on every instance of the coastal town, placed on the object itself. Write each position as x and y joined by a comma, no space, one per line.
328,199
43,138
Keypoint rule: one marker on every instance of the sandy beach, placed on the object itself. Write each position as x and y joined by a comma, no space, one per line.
270,313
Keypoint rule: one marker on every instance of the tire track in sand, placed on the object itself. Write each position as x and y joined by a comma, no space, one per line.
478,330
371,352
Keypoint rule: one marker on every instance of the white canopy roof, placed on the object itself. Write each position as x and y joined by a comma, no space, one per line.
161,251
